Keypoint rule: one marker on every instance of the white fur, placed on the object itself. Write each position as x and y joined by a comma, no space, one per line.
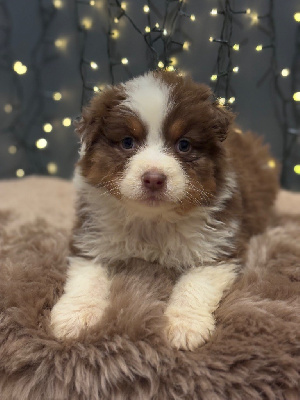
119,231
194,298
84,300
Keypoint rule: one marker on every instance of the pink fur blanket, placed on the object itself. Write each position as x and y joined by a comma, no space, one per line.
253,354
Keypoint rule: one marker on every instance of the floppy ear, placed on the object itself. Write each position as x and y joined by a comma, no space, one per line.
222,120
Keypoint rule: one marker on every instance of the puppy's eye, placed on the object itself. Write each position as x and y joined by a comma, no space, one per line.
127,143
183,146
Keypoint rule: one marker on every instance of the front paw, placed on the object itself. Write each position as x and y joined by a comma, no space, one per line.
72,315
187,330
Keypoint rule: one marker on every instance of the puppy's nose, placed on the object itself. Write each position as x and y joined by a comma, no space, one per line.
154,180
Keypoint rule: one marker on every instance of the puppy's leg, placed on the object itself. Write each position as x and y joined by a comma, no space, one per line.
84,300
194,298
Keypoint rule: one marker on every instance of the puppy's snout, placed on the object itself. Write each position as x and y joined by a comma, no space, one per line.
154,180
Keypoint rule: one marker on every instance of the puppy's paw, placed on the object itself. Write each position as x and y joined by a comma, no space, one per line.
187,330
71,315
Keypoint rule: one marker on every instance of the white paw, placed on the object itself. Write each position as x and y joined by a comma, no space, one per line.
71,315
187,330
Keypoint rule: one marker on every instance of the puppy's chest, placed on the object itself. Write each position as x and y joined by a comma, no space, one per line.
181,245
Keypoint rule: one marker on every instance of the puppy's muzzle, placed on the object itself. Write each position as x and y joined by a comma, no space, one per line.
154,180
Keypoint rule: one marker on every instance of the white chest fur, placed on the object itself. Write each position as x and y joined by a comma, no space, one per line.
112,233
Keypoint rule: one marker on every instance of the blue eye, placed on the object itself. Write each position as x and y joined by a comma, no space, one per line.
127,143
183,146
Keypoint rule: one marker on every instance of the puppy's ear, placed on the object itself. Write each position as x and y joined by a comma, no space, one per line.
222,120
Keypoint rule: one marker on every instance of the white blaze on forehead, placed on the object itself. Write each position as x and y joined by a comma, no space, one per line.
149,98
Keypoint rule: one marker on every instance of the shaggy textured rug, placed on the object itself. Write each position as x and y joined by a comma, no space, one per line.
253,354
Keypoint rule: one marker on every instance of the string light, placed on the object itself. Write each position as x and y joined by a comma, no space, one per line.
193,17
214,12
20,173
297,17
86,23
170,68
211,39
186,45
214,77
116,20
60,43
160,64
235,70
222,101
231,100
123,5
297,169
57,96
259,47
57,3
20,68
67,121
248,11
296,96
285,72
146,9
93,65
92,3
41,143
12,149
165,32
236,47
147,29
52,168
115,34
96,89
47,127
8,108
124,61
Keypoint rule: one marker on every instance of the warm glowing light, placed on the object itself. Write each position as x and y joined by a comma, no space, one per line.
94,65
186,45
60,43
116,20
56,96
147,29
297,16
12,149
192,17
157,25
170,68
41,143
146,9
52,168
47,127
214,11
285,72
57,3
86,23
239,131
165,32
92,3
231,100
123,5
248,11
259,47
296,96
160,64
254,18
297,169
124,61
211,39
20,173
8,108
20,68
235,69
115,34
272,163
96,89
214,77
174,60
236,47
222,101
67,121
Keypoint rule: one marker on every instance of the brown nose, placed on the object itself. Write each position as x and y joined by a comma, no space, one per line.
154,180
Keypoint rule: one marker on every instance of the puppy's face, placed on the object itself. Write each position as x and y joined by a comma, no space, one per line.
155,142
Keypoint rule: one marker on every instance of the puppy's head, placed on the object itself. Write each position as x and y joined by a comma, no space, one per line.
155,143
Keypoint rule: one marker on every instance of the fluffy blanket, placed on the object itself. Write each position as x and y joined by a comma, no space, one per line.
253,354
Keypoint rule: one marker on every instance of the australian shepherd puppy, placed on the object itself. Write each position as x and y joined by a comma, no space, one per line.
163,176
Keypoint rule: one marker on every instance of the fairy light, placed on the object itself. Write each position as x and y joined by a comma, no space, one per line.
96,89
193,17
67,121
297,16
8,108
235,70
272,163
57,3
222,101
52,168
116,20
211,39
86,23
12,149
123,5
146,9
47,127
56,96
186,45
157,25
19,68
115,34
285,72
174,60
92,3
231,100
124,61
20,173
297,169
259,47
147,29
41,143
214,77
296,96
214,12
60,43
236,47
94,65
248,11
254,18
160,64
170,68
165,32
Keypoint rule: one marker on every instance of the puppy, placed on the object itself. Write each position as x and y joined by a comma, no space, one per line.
166,177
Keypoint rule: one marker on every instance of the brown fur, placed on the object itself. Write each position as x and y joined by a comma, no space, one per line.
254,354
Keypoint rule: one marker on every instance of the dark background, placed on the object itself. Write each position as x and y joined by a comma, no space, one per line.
29,30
